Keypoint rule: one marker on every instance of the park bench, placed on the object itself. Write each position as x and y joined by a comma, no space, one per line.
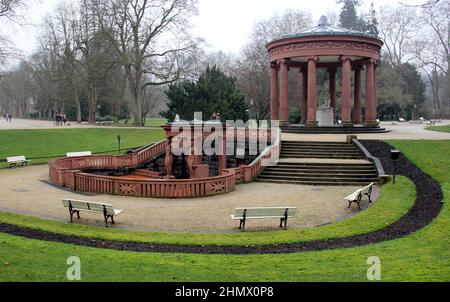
79,154
357,196
75,206
15,160
284,213
402,120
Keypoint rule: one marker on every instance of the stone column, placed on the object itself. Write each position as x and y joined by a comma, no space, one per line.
375,97
357,97
284,93
370,117
274,92
332,88
346,92
303,94
312,92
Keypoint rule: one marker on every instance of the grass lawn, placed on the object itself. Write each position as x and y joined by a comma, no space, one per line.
445,128
149,122
422,256
46,144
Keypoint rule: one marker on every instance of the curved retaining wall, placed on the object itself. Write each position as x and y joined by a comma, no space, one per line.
66,172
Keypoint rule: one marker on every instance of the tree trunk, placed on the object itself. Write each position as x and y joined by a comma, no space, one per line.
92,104
77,104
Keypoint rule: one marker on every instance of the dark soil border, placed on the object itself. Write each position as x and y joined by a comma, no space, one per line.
427,207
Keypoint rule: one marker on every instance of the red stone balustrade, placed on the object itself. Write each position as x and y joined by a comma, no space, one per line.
66,172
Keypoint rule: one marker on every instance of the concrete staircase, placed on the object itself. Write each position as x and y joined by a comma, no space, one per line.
301,129
331,150
320,163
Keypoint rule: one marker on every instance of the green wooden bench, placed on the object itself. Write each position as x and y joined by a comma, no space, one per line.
284,213
356,197
13,161
76,206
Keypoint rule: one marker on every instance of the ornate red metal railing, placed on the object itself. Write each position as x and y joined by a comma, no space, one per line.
66,172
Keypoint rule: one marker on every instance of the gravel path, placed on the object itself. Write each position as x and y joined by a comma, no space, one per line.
27,191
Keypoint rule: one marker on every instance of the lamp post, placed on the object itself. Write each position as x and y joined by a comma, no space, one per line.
395,155
118,142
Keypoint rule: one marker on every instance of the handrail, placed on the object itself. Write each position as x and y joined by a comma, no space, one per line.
375,160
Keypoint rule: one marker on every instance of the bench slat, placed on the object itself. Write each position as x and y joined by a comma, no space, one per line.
16,159
79,154
263,213
90,206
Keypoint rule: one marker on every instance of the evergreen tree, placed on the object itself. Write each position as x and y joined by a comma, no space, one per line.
372,24
348,17
214,91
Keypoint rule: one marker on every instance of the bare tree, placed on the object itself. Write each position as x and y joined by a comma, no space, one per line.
397,27
432,52
252,68
149,37
9,8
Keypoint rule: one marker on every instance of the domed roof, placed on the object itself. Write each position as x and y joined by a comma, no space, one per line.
324,29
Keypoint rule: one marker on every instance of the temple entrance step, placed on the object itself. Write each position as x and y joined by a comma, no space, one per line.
332,130
320,163
333,150
368,173
317,183
337,156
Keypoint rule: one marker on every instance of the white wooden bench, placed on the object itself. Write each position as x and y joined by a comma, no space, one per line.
431,124
357,196
243,214
79,154
75,206
13,161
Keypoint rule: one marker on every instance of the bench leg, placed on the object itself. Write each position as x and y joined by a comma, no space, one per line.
359,205
242,224
370,198
281,222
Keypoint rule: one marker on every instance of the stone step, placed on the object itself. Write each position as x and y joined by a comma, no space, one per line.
333,130
320,178
316,144
315,147
330,156
316,183
323,164
320,152
320,172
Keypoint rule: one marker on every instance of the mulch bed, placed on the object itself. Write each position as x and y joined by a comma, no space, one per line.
427,207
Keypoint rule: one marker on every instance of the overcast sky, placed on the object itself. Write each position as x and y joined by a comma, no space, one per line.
223,24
